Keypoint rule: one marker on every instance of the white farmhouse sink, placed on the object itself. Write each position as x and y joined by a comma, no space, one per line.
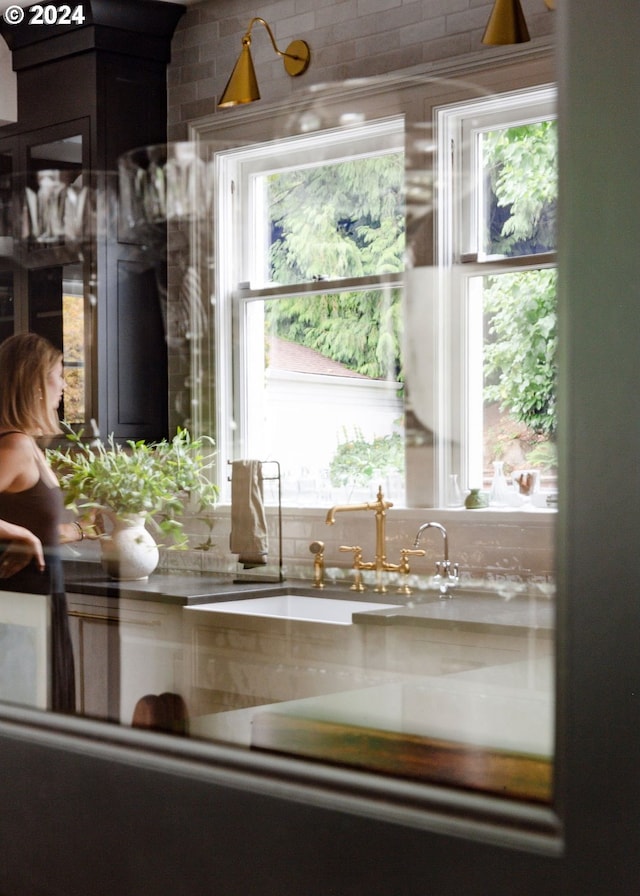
296,606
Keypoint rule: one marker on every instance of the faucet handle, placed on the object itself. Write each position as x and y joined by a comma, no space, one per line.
412,552
405,553
446,577
405,570
357,565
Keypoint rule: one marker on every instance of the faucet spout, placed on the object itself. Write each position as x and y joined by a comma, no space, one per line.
379,505
444,535
446,573
344,508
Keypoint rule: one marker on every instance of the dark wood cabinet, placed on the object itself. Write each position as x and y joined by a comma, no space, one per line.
87,93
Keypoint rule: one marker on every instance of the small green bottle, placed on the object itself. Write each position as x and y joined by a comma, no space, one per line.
476,499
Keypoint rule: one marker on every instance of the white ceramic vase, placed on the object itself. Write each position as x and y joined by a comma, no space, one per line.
129,552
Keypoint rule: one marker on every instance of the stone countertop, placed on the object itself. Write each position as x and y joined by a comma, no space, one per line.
183,589
480,610
483,610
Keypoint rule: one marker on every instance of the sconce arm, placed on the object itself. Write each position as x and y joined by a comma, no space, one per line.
247,38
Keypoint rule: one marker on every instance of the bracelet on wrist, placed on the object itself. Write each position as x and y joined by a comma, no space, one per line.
80,530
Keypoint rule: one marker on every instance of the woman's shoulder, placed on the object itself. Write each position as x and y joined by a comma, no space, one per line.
14,438
16,447
18,465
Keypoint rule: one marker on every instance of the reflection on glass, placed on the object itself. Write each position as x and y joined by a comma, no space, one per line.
418,688
6,203
456,687
7,306
164,183
24,649
56,198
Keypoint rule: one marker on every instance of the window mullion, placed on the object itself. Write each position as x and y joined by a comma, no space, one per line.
319,287
494,264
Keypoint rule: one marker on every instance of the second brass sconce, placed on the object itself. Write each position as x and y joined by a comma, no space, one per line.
507,24
242,86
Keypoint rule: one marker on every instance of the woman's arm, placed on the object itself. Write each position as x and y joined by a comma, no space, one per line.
88,526
23,547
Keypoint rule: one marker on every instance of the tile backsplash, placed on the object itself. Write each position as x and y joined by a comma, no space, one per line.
488,545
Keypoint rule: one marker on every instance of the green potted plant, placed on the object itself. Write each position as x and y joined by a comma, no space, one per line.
135,485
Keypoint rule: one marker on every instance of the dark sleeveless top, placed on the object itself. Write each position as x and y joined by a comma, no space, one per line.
38,509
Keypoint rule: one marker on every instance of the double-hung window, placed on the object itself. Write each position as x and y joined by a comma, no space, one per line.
311,238
311,311
497,173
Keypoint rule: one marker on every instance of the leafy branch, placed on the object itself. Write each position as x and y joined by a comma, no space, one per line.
153,479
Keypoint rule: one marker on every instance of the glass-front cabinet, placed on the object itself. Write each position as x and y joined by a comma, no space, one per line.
47,249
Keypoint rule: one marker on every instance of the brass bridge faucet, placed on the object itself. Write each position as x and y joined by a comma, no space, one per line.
380,564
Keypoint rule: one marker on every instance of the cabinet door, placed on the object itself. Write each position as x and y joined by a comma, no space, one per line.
125,650
96,650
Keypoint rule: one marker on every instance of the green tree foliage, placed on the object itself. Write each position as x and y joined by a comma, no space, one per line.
357,460
340,220
520,358
347,220
361,330
520,365
333,221
521,168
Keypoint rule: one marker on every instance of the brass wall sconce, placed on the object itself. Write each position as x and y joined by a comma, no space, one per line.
242,86
507,24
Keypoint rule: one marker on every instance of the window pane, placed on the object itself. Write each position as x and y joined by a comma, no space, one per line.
442,670
73,324
516,315
331,369
57,312
519,201
324,222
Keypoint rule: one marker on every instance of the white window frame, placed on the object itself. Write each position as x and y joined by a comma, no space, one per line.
459,362
240,288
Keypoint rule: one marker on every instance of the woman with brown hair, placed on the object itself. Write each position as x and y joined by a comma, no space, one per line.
31,503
